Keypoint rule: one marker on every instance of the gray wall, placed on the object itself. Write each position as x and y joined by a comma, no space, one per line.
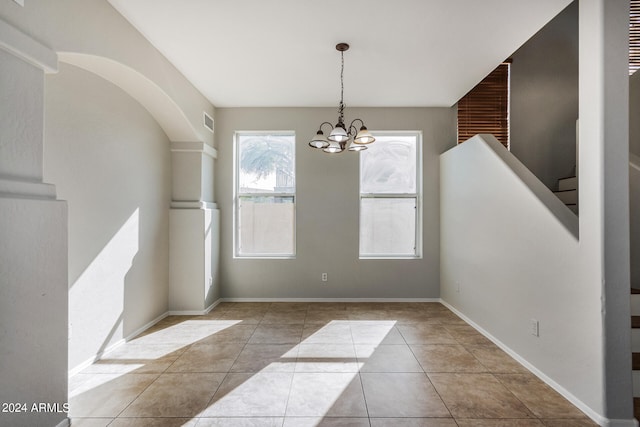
634,176
634,113
544,99
110,160
328,212
634,222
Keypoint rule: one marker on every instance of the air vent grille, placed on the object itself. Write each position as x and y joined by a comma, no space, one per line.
208,121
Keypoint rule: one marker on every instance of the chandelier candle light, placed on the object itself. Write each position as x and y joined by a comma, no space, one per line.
342,137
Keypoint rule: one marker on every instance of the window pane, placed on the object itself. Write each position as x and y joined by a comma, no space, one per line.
266,164
389,165
266,226
388,226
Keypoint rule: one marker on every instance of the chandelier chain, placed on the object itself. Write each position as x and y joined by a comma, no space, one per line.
342,137
341,108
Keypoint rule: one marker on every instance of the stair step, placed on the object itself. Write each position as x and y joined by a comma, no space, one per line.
635,291
568,197
636,407
573,207
635,304
635,378
635,334
635,340
635,361
569,183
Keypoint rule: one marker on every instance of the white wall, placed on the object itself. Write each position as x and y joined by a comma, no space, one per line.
126,263
511,256
513,260
33,242
111,162
93,35
544,99
327,210
604,188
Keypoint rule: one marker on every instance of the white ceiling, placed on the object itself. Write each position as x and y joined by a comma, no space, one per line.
281,53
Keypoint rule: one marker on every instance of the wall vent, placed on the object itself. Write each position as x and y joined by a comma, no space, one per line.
208,121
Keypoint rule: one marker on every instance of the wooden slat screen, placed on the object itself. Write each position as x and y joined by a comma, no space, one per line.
634,36
485,109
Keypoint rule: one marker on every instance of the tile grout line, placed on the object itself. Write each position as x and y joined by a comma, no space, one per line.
517,398
364,396
427,376
293,374
226,374
149,385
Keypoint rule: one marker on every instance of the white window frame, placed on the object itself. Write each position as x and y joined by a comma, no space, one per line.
417,196
237,195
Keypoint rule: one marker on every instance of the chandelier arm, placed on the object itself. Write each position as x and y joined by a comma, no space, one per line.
355,130
355,120
325,123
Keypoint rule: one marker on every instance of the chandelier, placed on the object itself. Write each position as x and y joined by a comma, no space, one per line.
342,137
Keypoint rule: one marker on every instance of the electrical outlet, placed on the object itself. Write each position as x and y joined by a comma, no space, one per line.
534,327
325,277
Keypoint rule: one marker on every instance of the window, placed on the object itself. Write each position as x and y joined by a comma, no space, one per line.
390,196
265,194
485,109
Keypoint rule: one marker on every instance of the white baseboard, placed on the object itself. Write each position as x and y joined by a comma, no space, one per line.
596,417
64,423
134,334
144,327
330,299
115,345
194,312
73,371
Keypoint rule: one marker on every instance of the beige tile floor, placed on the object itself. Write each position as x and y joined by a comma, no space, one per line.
315,364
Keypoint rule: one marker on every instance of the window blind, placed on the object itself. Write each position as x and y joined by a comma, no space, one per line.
634,36
485,109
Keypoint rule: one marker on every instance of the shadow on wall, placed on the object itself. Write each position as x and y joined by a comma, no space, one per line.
97,298
111,161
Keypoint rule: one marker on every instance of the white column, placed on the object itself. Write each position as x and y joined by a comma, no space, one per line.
604,190
33,242
194,230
